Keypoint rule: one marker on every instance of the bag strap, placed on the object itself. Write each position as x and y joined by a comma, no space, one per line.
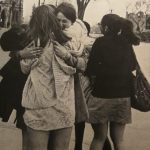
136,61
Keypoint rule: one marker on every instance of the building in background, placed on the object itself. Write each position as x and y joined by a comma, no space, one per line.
11,12
140,20
139,13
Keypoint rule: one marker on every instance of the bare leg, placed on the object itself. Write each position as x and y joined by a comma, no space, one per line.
100,134
79,134
50,141
116,133
37,140
61,138
25,140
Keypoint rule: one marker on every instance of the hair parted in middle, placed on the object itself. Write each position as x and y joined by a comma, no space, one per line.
44,24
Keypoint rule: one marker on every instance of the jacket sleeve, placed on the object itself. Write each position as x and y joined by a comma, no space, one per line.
93,60
84,63
15,55
80,63
133,59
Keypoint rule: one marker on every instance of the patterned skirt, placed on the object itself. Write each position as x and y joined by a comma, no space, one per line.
52,118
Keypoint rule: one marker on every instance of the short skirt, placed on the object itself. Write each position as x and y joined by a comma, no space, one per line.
103,110
55,117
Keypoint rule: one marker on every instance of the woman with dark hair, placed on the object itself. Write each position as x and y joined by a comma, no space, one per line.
76,30
72,27
11,86
66,10
66,15
111,64
16,41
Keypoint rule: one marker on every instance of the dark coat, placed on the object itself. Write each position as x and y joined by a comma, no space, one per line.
11,88
13,81
111,62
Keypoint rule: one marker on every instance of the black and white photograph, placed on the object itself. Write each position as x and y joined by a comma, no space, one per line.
74,74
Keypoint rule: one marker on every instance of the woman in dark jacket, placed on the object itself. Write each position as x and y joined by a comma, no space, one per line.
14,40
110,64
68,13
11,88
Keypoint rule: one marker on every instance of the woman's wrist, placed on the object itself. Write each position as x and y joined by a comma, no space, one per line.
18,55
21,54
15,55
67,56
71,60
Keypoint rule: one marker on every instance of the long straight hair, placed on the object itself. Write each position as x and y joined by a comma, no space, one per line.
44,25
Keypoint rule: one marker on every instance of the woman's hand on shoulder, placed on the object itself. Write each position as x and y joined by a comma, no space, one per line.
60,50
30,52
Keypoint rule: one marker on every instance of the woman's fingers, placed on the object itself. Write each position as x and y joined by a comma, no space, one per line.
56,48
59,48
31,44
31,52
56,43
36,52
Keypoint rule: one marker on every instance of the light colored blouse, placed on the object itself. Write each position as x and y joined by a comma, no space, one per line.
50,80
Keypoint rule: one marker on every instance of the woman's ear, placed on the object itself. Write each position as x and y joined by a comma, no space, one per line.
120,31
106,28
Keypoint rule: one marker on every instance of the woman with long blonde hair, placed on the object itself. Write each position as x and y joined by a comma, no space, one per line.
48,95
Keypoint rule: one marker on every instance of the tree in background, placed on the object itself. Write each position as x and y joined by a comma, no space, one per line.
39,3
82,4
137,12
17,12
11,12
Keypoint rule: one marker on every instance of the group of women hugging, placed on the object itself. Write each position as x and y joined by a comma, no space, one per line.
55,79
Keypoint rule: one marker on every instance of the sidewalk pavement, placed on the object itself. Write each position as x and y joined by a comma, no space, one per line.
137,134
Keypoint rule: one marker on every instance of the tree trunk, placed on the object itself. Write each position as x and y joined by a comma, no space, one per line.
21,12
82,4
81,13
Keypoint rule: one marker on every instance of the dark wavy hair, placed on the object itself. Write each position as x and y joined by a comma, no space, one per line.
68,10
44,25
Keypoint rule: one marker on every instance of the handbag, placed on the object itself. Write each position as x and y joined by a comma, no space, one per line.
10,136
140,94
